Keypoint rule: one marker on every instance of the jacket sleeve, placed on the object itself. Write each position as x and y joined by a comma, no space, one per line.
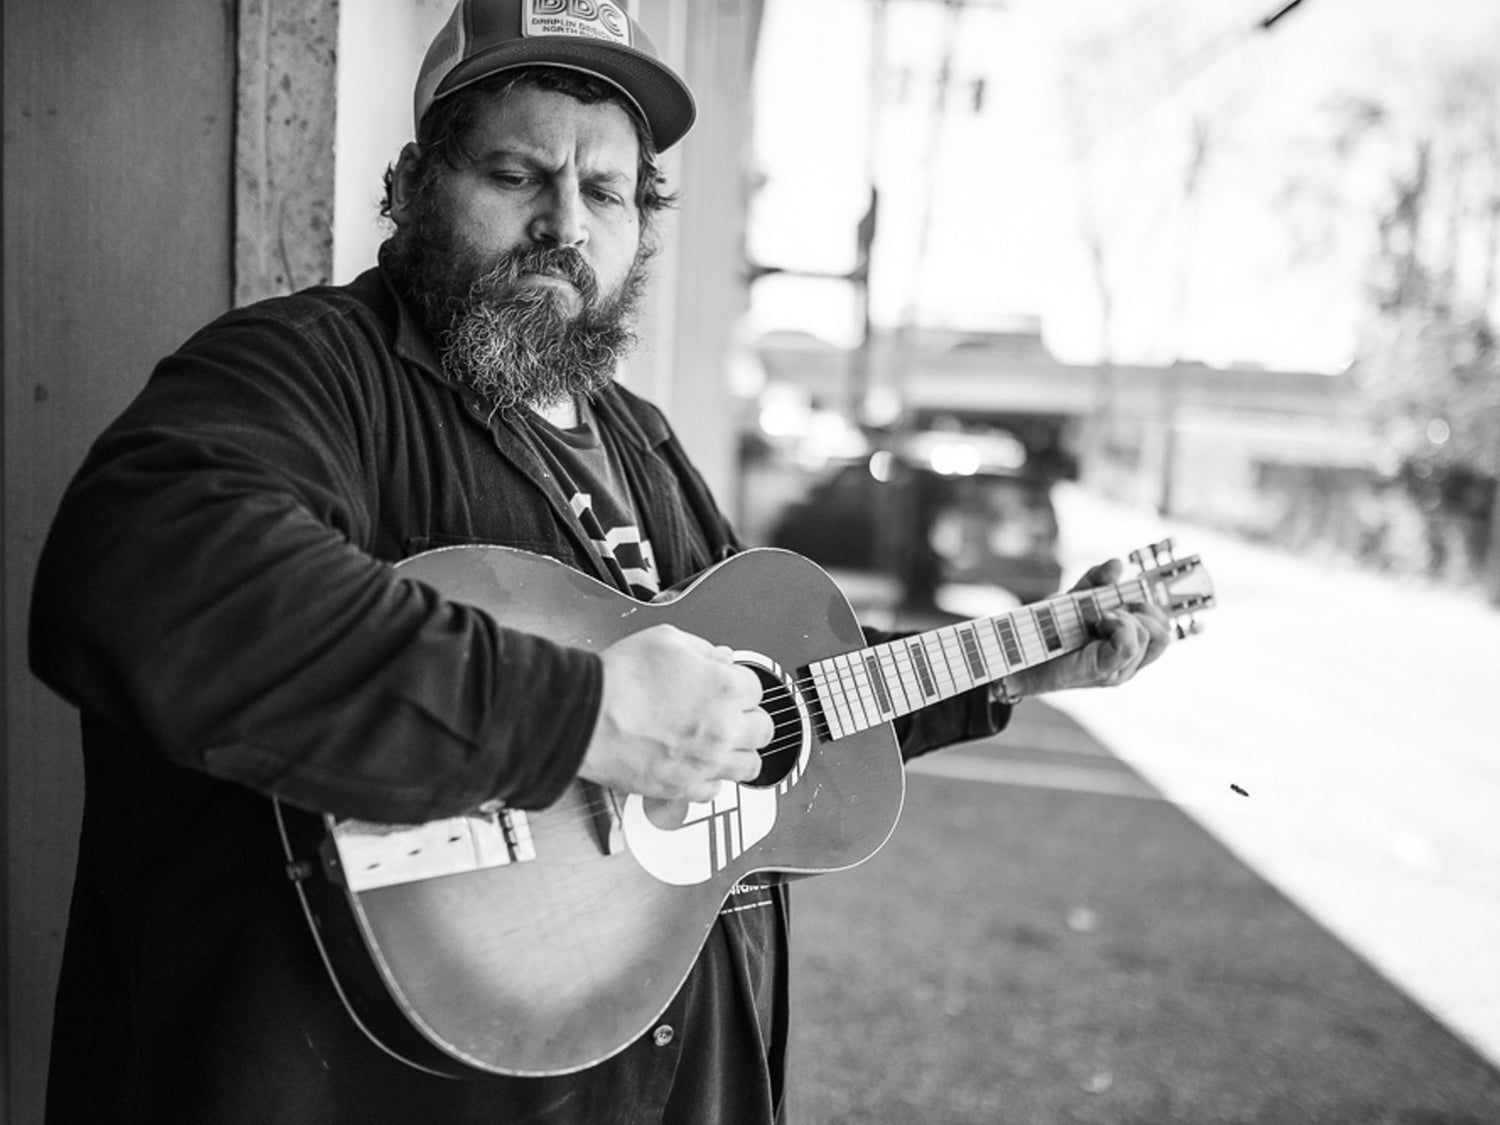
206,584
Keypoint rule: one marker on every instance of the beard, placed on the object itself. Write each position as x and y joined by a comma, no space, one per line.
516,344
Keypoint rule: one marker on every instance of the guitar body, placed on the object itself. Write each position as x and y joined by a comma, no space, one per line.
516,942
564,953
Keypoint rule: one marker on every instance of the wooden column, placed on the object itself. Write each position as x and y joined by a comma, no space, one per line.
283,152
700,289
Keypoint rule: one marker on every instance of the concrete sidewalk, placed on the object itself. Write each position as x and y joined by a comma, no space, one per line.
1048,940
1359,715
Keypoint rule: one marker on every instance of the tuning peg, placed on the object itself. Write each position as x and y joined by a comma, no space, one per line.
1189,628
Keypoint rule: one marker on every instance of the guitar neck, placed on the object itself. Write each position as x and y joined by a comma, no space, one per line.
869,686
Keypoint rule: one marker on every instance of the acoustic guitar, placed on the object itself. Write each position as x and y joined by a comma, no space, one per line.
537,942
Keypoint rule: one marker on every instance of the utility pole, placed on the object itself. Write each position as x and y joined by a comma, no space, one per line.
858,375
944,83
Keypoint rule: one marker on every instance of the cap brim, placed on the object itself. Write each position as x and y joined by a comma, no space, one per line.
663,99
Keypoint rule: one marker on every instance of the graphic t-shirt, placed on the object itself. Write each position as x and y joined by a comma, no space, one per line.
600,499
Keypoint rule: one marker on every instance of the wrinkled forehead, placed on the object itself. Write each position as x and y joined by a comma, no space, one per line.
553,128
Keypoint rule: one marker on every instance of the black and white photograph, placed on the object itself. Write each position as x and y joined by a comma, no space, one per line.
750,562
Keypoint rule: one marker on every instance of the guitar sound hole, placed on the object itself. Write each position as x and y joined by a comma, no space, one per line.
779,756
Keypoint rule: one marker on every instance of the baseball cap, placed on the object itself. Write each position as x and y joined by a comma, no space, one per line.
597,37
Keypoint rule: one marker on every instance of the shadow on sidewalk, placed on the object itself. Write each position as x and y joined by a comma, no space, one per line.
1037,953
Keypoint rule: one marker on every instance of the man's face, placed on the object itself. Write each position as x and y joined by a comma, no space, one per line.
526,261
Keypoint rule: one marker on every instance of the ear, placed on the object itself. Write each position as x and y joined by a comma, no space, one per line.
403,183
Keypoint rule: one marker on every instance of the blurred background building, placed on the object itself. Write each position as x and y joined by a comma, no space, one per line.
1236,264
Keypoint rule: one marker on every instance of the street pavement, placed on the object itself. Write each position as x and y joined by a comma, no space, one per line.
1340,732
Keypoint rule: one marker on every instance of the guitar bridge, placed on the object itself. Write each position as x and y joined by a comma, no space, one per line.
363,855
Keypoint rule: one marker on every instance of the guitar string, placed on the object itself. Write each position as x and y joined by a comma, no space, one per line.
1028,636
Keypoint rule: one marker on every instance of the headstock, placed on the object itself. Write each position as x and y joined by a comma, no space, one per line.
1181,587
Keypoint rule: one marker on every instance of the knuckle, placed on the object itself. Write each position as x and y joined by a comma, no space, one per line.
767,727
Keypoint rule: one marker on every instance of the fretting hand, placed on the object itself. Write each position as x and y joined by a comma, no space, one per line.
1126,640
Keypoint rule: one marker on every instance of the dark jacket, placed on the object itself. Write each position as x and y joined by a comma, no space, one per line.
216,598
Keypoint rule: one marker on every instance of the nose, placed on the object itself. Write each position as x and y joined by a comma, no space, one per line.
560,217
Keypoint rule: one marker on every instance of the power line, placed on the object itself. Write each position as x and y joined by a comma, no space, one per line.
1198,61
1269,21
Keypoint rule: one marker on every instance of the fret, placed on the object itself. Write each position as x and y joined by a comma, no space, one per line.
1047,623
860,699
870,692
1033,644
1060,610
1005,629
874,680
1125,593
924,671
890,660
909,678
877,681
831,695
849,693
977,667
953,657
942,673
823,697
989,648
1079,632
847,702
882,689
1088,605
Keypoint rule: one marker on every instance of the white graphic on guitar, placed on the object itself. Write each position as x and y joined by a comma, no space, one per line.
688,842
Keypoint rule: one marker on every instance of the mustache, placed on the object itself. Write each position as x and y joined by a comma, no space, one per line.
560,261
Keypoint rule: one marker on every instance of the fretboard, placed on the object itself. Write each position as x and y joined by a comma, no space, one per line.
869,686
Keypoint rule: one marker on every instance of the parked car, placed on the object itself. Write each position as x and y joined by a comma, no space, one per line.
940,538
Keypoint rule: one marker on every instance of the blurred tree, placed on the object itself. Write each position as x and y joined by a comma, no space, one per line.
1144,140
1430,352
1109,82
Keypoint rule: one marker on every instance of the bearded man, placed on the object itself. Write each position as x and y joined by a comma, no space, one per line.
217,597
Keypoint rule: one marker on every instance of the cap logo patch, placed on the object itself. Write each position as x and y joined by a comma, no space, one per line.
592,19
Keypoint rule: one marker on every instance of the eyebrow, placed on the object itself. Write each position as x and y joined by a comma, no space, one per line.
537,158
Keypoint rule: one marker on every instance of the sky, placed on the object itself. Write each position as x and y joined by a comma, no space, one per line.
982,209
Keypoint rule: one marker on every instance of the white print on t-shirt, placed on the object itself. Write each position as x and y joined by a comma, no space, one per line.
625,545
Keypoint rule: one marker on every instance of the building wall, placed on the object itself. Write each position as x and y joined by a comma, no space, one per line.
119,124
380,49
